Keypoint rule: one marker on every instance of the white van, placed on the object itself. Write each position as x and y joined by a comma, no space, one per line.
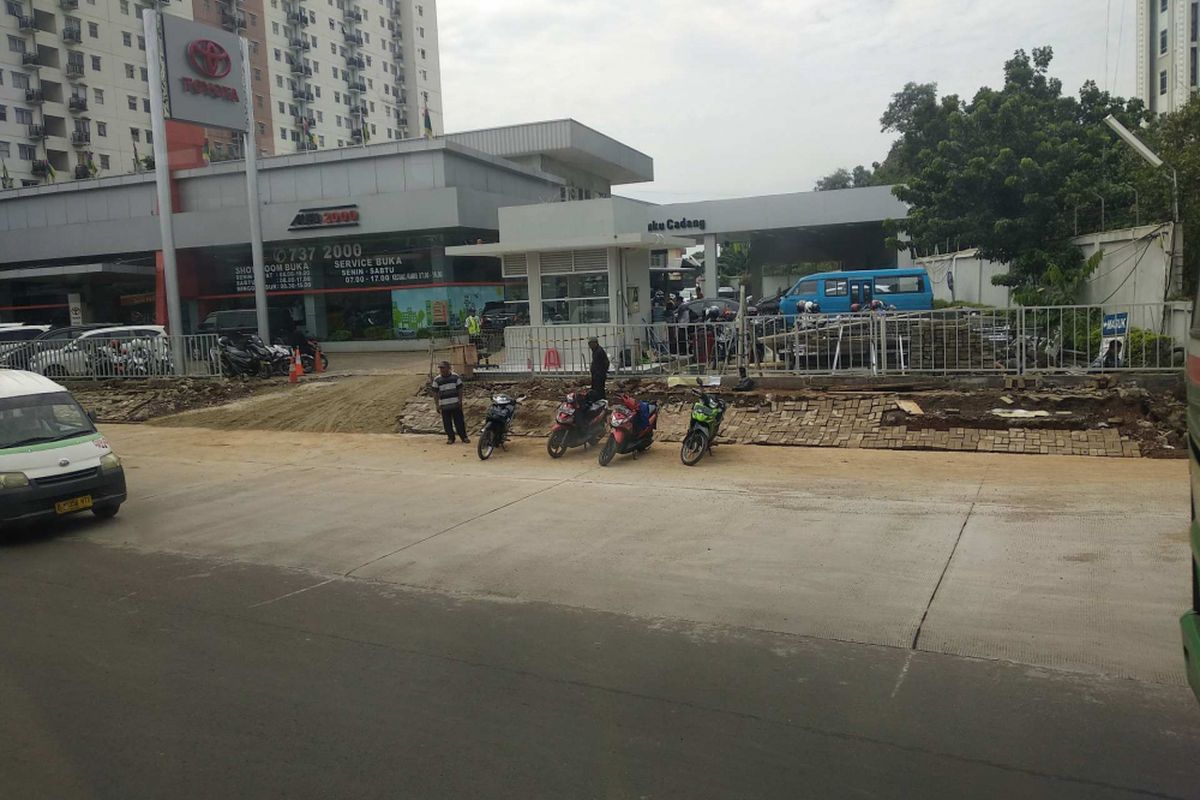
53,461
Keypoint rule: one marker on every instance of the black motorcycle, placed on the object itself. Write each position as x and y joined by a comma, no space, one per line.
576,425
236,359
278,360
497,425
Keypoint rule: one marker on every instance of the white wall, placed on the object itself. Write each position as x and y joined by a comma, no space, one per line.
1134,269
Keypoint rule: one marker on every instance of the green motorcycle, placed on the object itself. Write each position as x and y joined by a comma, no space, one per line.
707,413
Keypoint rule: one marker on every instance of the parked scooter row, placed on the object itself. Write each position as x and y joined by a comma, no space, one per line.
630,425
249,355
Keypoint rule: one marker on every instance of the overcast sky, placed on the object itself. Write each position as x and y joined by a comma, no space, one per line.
752,96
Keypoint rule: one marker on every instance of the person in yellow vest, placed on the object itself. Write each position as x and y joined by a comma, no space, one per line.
474,331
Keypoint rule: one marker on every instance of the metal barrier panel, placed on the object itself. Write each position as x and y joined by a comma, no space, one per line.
103,357
976,341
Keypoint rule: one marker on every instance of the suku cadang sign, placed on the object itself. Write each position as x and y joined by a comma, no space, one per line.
204,75
307,219
684,224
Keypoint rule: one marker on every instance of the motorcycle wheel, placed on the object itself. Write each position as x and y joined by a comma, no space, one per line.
308,363
487,444
557,445
609,450
695,445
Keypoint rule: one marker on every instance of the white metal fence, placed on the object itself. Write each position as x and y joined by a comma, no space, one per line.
1012,341
102,356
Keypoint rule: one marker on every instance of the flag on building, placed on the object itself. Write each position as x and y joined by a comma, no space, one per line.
50,173
137,162
204,153
4,173
428,122
91,164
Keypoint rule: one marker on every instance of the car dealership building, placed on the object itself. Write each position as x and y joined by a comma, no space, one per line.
389,240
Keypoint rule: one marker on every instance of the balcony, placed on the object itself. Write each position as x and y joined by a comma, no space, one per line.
300,69
356,134
37,132
232,21
299,44
356,85
356,61
303,95
74,71
77,104
301,120
82,173
352,37
352,15
29,60
40,167
304,145
25,24
68,5
34,97
72,35
359,110
81,138
297,18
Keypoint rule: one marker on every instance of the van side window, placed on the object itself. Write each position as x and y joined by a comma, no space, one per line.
836,287
806,287
903,284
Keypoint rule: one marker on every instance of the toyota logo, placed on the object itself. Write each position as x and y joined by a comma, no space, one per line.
208,58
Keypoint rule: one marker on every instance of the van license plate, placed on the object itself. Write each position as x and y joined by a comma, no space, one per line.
75,504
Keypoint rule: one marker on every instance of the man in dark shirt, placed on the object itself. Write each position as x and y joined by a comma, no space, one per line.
448,392
599,370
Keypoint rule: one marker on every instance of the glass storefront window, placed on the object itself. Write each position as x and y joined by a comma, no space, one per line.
580,299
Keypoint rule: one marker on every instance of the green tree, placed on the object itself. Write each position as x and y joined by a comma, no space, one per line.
734,261
843,178
1007,172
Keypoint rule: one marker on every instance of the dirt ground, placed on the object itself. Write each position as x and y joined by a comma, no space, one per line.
356,404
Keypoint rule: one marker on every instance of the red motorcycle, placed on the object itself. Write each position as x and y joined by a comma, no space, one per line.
575,425
633,425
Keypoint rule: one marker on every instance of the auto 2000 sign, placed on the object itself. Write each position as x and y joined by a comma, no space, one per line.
345,265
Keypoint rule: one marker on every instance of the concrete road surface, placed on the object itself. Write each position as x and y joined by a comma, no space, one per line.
373,616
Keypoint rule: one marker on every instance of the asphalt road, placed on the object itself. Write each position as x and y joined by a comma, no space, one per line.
334,616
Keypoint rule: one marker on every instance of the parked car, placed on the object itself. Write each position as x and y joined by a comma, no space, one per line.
18,357
240,321
13,336
140,349
498,315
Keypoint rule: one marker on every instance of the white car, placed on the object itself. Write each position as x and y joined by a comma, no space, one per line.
129,349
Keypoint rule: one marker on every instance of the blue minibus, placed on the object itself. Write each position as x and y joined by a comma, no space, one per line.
835,292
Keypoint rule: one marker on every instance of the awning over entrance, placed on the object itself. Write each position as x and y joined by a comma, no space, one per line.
626,241
75,271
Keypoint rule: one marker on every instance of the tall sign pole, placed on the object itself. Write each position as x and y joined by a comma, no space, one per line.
162,170
256,242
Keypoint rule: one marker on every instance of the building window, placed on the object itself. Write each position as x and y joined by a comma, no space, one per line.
132,102
99,95
141,43
24,116
127,38
257,74
580,298
104,161
279,81
262,129
283,134
321,139
102,129
1163,6
422,30
20,80
317,90
420,11
125,7
295,136
338,120
278,55
282,108
129,71
149,137
275,28
1162,82
1194,71
95,63
146,104
320,115
254,20
16,44
1195,20
93,30
5,150
145,75
1162,43
26,152
135,134
3,113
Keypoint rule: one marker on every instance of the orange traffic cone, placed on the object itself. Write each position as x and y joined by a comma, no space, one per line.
297,369
319,363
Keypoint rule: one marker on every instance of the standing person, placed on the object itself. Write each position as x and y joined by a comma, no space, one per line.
600,366
474,328
448,392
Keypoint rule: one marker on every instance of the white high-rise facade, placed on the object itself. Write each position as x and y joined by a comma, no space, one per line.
1167,53
74,99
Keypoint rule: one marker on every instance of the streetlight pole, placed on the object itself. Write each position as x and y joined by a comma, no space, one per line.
1152,158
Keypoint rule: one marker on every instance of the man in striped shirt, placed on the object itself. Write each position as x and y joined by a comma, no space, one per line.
448,391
